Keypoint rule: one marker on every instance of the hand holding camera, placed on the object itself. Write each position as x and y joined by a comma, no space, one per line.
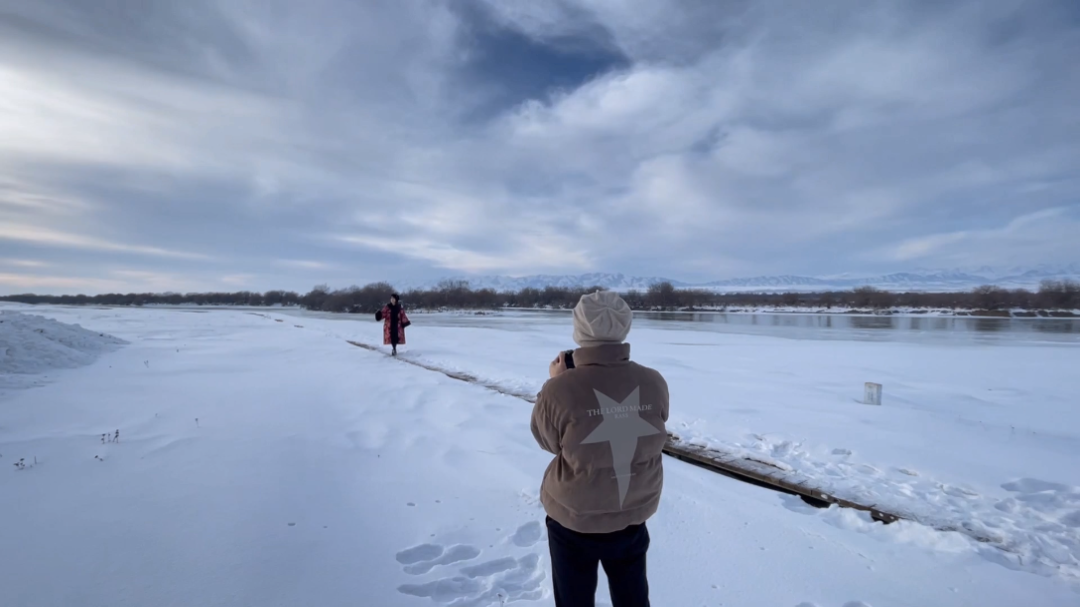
562,363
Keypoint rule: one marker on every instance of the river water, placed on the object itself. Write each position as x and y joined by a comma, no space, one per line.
847,327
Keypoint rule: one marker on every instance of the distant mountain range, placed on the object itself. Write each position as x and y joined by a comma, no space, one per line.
614,282
960,279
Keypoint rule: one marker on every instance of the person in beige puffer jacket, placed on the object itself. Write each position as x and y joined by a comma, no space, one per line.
604,420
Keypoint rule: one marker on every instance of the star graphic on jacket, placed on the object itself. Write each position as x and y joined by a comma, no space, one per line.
621,428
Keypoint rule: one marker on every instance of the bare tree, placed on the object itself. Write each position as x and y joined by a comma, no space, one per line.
662,296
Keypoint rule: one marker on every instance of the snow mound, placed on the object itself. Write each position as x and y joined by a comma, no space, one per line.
32,345
1035,529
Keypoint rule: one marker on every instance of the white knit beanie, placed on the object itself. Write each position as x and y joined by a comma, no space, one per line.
601,318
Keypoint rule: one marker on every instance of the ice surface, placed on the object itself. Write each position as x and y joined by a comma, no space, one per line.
292,488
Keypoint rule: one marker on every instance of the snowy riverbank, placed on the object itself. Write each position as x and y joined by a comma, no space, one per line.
971,436
271,463
897,311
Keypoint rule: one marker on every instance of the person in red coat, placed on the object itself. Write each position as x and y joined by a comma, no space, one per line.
394,322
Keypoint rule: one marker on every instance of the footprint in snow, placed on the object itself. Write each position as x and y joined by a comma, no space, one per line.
530,499
527,535
1050,500
1034,485
416,554
957,491
501,581
455,554
490,568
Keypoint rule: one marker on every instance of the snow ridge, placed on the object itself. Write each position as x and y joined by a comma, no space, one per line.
32,345
1036,528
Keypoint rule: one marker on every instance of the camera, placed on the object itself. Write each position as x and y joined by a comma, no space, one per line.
568,356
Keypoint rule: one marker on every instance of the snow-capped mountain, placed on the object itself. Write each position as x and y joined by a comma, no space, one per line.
614,282
961,279
958,279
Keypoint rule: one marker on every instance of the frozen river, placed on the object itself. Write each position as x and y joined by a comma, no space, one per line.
850,327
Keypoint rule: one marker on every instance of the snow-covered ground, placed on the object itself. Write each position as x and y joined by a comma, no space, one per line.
264,461
975,435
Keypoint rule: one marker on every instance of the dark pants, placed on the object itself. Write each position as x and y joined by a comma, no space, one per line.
575,557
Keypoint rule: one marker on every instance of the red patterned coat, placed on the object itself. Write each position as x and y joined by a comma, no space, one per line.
403,321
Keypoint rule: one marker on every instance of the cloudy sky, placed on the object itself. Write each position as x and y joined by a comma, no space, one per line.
255,144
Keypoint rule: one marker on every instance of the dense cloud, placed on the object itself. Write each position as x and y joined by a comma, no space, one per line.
262,144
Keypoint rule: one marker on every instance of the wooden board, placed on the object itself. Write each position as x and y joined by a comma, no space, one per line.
764,474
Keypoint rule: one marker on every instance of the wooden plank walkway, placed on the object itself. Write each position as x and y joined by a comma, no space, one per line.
761,473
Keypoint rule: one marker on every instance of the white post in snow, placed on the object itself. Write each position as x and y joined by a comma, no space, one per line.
872,394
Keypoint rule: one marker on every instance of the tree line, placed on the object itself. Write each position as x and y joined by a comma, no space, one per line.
457,295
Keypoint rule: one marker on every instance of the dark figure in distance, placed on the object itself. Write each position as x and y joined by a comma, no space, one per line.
394,322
